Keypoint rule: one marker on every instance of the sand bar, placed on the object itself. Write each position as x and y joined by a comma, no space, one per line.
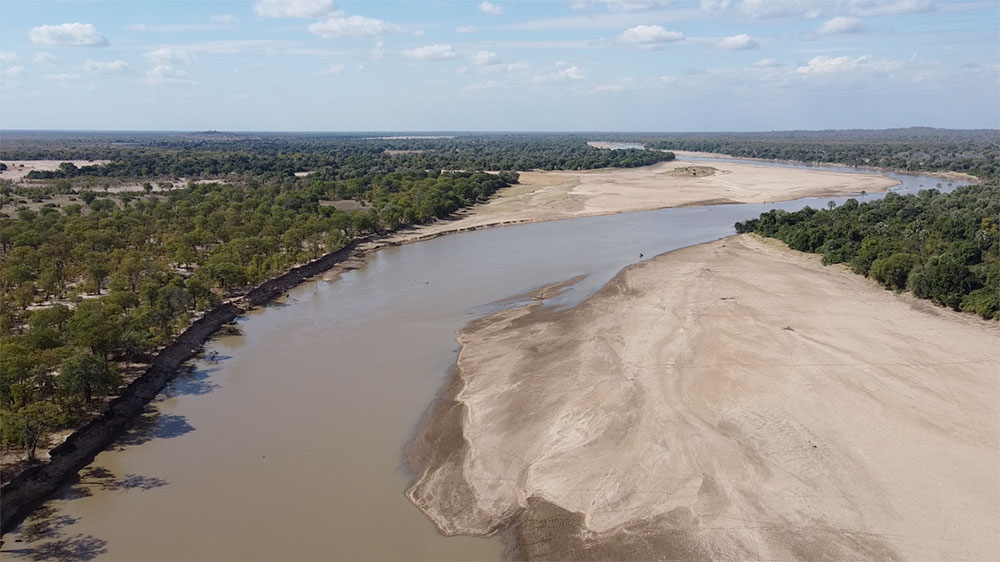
731,400
543,196
18,169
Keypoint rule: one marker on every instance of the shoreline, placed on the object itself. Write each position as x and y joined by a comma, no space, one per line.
24,491
768,401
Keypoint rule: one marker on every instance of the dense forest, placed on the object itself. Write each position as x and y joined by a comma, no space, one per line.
976,152
105,281
941,246
145,155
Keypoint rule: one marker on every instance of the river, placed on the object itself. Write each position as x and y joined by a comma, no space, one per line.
289,445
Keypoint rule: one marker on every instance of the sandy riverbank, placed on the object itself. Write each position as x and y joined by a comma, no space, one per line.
544,196
732,400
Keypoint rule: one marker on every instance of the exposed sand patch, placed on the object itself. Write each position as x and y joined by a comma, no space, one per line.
543,196
17,169
732,400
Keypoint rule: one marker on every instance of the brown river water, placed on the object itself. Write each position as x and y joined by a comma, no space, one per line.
289,446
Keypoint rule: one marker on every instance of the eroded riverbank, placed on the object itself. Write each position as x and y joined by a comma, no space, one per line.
730,400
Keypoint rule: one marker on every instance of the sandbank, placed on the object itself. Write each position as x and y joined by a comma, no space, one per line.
544,196
731,400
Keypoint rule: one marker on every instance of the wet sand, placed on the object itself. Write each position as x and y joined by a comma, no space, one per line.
731,400
545,196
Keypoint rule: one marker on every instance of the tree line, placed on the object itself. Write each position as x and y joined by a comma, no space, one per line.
941,246
105,281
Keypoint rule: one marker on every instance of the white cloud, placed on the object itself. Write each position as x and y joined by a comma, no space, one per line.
71,34
617,86
649,36
741,42
168,56
216,22
166,74
378,51
568,73
842,24
488,85
847,67
714,5
635,5
820,8
106,67
8,56
43,57
14,72
667,80
890,7
766,63
62,77
465,29
333,69
357,27
486,58
431,52
490,8
292,8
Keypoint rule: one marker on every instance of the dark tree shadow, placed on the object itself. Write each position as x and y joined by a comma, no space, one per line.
43,523
153,424
106,480
192,382
70,549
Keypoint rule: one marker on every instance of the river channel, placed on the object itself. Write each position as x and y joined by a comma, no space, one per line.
289,445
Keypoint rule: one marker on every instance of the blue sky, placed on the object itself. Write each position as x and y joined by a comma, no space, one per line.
561,65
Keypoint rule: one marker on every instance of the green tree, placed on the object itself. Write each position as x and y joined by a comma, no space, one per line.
82,375
29,425
95,326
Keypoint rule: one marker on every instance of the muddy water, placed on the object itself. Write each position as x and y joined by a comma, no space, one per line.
288,445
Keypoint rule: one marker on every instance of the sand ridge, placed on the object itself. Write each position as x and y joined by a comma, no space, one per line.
732,400
544,196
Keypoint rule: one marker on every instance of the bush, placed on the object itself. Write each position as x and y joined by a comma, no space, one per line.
893,271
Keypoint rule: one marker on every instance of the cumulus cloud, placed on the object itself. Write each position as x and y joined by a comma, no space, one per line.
333,69
617,86
62,77
820,8
649,36
766,63
43,57
714,5
166,74
378,51
846,67
106,67
486,58
741,42
568,73
490,8
635,5
8,56
224,19
14,72
842,24
481,86
292,8
891,7
357,27
69,34
168,56
431,53
465,29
